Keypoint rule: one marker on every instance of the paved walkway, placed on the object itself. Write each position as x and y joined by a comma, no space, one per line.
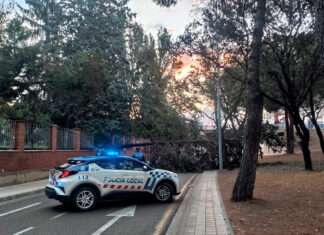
21,190
201,211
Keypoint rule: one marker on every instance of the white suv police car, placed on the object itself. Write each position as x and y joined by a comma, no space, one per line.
83,181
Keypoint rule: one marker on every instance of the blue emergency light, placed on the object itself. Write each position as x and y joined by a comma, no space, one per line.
112,153
104,152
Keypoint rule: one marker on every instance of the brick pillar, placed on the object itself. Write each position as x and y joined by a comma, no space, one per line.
20,136
77,139
53,137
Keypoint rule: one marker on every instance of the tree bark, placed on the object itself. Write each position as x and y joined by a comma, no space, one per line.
291,144
290,140
319,134
303,133
244,185
314,121
319,11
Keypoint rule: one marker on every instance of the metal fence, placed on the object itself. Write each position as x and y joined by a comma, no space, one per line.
87,141
7,131
64,138
37,137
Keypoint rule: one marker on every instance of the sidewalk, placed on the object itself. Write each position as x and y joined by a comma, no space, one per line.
22,190
201,211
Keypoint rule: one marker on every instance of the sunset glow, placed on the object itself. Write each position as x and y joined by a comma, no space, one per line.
186,64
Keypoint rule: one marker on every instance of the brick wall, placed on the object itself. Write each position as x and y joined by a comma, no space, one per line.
20,159
31,160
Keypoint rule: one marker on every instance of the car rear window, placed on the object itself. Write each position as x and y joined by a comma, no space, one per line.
107,164
69,164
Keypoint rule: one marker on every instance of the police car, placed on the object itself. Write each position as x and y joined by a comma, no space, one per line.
83,181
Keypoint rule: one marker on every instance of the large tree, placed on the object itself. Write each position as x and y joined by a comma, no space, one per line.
151,59
219,33
85,73
244,185
291,64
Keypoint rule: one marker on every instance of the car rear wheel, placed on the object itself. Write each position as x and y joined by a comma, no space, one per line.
84,199
163,192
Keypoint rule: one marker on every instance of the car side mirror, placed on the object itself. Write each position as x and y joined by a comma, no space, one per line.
144,168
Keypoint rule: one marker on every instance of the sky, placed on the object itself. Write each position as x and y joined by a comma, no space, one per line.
174,18
152,16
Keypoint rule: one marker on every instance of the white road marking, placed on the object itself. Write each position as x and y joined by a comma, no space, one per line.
23,231
19,209
57,216
107,225
128,211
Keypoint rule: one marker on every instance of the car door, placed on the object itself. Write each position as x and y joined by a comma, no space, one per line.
110,175
134,174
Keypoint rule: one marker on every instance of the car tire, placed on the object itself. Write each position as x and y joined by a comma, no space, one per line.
163,192
84,199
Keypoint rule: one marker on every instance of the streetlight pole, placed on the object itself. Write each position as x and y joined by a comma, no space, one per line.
219,127
219,116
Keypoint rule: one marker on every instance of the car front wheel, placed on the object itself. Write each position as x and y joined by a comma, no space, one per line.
163,192
84,199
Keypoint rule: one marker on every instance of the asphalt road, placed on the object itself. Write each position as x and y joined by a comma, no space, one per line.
40,215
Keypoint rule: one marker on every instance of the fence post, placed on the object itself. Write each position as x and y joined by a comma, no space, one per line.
20,135
77,139
53,137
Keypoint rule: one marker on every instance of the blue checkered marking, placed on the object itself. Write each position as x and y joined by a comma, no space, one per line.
157,175
152,185
147,182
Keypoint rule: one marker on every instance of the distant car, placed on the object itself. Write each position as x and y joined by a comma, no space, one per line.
82,181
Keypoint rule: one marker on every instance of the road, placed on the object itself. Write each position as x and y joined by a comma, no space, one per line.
40,215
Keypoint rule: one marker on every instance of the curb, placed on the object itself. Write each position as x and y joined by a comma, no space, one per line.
19,195
227,221
177,206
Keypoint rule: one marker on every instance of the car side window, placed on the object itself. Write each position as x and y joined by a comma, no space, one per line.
107,164
129,165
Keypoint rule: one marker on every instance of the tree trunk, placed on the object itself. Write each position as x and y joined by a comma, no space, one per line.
319,134
244,185
306,152
303,134
291,144
289,133
314,121
319,11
